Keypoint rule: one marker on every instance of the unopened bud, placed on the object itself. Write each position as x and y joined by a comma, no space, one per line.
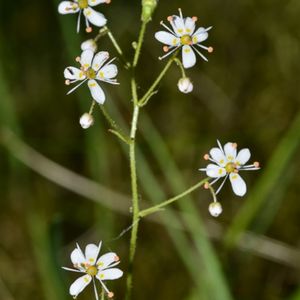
89,45
86,121
185,85
215,209
148,9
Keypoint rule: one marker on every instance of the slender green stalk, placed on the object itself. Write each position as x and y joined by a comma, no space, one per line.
117,130
139,44
150,91
180,65
156,208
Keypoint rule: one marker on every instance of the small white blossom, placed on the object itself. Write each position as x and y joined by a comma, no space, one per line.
185,85
228,163
183,35
92,267
85,7
86,121
215,209
89,45
93,67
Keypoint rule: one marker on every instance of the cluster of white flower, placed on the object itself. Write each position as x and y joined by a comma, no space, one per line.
102,268
226,162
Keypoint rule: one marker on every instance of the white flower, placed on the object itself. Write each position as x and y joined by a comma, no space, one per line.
184,36
88,264
93,67
86,121
89,45
85,7
215,209
227,163
185,85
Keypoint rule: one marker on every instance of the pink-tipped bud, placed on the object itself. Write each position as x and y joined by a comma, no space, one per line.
86,121
185,85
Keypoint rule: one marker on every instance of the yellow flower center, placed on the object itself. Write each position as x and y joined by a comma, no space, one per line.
230,167
90,73
92,270
186,40
83,4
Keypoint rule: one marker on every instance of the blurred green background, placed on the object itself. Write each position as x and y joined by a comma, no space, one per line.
247,93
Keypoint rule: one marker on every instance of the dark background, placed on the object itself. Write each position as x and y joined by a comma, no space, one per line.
247,93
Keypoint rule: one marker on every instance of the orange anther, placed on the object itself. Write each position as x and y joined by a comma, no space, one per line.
77,58
166,48
170,18
194,19
256,164
210,49
117,258
110,295
89,29
107,1
234,145
206,185
206,156
67,82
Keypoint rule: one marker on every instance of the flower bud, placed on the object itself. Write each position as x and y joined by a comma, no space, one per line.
215,209
148,9
86,121
185,85
89,45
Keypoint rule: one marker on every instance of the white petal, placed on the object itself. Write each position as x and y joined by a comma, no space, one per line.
243,156
73,73
178,25
96,2
86,58
109,274
189,25
99,59
68,7
215,171
77,257
200,35
230,151
89,45
167,38
91,253
79,284
106,259
188,57
107,72
238,184
94,17
218,156
96,91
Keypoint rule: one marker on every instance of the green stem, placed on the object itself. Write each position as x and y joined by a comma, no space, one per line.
151,91
117,130
180,65
156,208
139,44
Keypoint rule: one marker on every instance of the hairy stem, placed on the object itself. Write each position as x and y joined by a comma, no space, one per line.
156,208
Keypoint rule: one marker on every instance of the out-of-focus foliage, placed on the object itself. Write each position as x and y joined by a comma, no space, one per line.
247,93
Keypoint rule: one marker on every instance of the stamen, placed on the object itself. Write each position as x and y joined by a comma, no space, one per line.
210,49
72,90
110,295
77,59
108,1
180,13
170,30
218,190
117,258
195,19
199,53
89,29
67,82
234,145
170,52
170,18
165,48
78,21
